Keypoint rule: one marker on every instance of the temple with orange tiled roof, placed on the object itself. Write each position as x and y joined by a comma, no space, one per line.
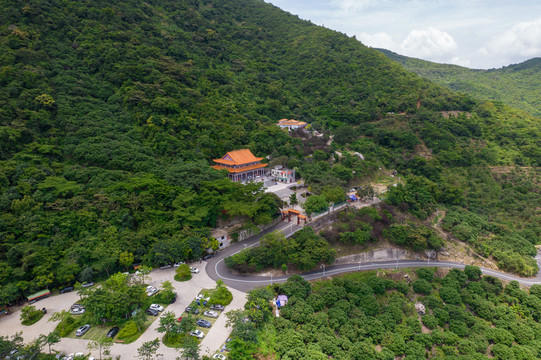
291,124
241,164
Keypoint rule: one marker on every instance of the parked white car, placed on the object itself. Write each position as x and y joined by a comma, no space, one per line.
202,297
178,264
77,311
156,307
198,334
151,290
211,314
219,357
194,270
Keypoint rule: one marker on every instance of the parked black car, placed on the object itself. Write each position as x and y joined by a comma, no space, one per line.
203,323
67,289
174,298
152,312
112,333
217,307
208,256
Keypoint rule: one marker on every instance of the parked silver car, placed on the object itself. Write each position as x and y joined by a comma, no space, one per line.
211,314
82,330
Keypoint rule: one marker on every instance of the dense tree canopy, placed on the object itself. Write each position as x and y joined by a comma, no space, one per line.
364,316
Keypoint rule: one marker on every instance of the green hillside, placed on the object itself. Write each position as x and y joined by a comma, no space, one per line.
110,114
424,314
517,85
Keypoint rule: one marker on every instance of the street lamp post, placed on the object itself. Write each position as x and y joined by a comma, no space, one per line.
271,278
396,268
323,270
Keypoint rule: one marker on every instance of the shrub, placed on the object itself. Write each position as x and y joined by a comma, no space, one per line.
430,321
432,302
183,273
536,290
502,352
358,237
426,273
402,287
128,332
472,272
30,315
450,295
458,327
221,296
442,316
66,326
421,286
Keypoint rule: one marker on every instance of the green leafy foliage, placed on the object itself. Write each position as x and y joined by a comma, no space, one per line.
30,315
114,301
304,250
316,204
363,316
183,273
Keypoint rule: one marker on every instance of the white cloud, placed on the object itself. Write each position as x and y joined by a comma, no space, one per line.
429,44
522,40
351,5
378,40
456,60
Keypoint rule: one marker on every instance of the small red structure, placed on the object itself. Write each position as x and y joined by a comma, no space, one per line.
287,213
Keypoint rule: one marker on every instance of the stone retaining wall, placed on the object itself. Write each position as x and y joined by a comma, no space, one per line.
375,255
246,233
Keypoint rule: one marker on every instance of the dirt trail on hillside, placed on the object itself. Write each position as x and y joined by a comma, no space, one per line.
455,249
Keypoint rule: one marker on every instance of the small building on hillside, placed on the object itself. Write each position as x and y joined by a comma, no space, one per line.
223,238
242,165
281,300
282,174
291,124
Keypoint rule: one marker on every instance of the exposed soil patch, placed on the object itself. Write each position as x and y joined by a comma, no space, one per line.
447,114
456,250
423,151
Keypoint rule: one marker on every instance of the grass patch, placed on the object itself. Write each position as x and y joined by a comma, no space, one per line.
182,278
97,332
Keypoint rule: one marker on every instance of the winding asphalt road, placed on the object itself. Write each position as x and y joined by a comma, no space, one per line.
216,268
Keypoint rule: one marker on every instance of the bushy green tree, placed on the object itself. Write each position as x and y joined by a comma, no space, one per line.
30,315
422,286
315,204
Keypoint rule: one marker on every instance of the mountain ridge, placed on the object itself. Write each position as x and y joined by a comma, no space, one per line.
516,84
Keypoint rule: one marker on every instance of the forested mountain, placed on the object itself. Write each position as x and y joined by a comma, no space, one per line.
517,85
110,113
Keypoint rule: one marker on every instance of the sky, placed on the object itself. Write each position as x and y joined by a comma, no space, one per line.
479,34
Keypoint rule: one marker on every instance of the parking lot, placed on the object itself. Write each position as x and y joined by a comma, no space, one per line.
187,291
